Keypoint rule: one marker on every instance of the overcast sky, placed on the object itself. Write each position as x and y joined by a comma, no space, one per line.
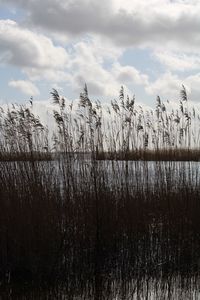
151,47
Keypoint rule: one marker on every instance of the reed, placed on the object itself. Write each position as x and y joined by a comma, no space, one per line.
82,220
121,130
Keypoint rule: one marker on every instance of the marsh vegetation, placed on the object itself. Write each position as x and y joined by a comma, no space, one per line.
107,207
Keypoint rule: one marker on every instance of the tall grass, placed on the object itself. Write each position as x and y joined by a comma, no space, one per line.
92,228
121,130
124,131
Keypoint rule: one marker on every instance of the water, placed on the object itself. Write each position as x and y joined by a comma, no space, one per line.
130,229
173,288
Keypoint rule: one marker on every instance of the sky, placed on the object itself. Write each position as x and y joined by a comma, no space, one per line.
151,47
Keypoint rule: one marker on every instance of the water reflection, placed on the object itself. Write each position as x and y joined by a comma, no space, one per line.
100,230
172,287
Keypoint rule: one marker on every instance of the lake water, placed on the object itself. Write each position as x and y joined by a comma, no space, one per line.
142,251
172,288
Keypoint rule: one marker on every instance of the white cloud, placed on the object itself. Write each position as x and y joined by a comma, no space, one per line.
129,74
29,50
93,35
178,61
88,65
167,85
26,87
193,82
154,23
49,75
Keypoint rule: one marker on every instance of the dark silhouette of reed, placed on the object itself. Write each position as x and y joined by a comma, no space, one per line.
76,226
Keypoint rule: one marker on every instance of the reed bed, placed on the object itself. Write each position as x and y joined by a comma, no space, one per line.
119,130
75,226
90,227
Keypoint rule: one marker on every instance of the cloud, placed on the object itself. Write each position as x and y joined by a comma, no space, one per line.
33,53
93,36
129,74
167,85
39,59
89,63
152,23
193,83
27,49
88,60
178,61
26,87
